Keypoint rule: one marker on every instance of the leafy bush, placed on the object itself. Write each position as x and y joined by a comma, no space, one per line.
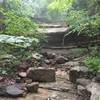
81,23
60,5
18,46
8,63
18,25
93,63
93,59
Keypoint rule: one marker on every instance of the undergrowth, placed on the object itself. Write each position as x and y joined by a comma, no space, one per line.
93,59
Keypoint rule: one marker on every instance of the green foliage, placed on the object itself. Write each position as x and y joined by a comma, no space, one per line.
8,63
19,7
20,47
18,25
93,63
81,23
89,5
18,41
93,59
60,5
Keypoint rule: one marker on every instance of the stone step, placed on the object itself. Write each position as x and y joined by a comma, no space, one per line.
55,36
53,30
45,25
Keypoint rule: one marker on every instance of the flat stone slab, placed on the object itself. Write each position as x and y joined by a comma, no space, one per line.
14,91
45,25
41,74
52,30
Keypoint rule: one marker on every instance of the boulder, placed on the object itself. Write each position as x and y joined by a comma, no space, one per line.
84,82
94,88
33,87
83,93
41,74
61,60
14,91
79,72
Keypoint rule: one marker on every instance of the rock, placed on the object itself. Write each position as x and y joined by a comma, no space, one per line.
37,56
51,55
83,93
61,60
73,75
14,91
41,74
27,63
94,88
97,78
79,72
22,74
72,63
18,80
84,82
47,62
28,80
33,87
44,54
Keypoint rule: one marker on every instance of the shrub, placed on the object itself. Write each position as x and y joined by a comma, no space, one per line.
81,23
18,25
93,59
93,63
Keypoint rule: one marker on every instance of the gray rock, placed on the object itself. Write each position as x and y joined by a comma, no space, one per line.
73,75
14,91
33,87
83,93
37,56
84,82
79,72
94,88
61,60
47,62
22,74
51,55
72,63
97,78
41,74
